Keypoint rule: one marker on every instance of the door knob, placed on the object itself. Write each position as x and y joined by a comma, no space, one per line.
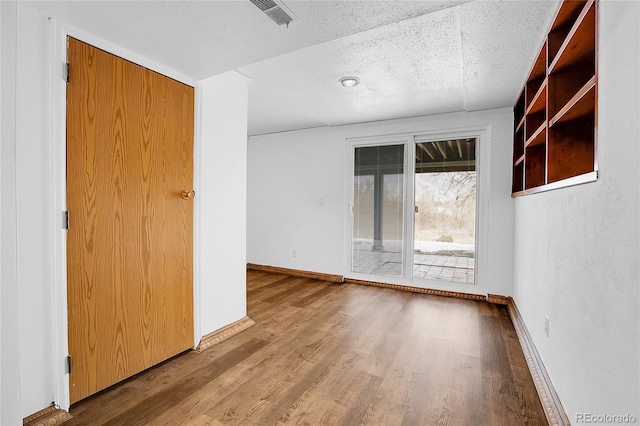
187,195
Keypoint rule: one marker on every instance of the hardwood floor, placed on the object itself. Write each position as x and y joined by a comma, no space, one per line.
338,354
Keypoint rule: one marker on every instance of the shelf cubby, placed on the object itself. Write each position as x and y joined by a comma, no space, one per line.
579,46
565,19
518,177
538,137
518,111
555,115
518,144
535,166
572,147
582,104
575,65
537,76
536,113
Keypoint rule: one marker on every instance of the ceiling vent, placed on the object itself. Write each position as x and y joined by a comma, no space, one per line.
278,13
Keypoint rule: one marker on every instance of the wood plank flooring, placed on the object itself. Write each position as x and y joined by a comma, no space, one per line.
337,354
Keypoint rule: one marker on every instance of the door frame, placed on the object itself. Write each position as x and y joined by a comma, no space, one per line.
482,134
57,123
480,219
352,144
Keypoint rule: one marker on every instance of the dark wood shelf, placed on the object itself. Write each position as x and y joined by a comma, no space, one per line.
582,104
518,143
565,18
538,137
575,64
535,166
534,121
537,76
518,110
572,148
539,101
539,69
554,142
579,46
576,180
565,85
518,177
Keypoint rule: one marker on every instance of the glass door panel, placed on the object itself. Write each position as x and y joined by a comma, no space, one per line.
445,211
378,210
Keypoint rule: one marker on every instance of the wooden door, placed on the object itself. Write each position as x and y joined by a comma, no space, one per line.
129,243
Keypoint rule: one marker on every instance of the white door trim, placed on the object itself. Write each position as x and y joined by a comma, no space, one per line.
482,223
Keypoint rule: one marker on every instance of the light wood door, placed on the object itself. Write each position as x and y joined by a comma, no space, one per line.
129,243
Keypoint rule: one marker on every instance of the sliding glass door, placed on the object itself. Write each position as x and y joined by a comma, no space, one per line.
412,210
445,210
377,245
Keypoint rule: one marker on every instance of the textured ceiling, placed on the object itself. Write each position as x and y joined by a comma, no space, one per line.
413,57
466,58
204,38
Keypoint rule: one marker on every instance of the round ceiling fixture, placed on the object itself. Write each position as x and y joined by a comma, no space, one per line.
349,81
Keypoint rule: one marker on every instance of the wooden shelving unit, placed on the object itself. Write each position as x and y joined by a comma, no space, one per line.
554,143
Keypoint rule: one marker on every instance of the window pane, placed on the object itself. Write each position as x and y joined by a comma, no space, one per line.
377,241
445,200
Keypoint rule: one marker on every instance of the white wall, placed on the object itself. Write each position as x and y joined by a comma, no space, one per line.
10,358
577,249
289,173
221,199
34,204
26,208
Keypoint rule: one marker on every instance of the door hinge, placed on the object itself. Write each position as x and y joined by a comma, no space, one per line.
67,72
68,364
65,220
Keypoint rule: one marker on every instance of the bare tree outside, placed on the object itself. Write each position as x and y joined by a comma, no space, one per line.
446,207
445,216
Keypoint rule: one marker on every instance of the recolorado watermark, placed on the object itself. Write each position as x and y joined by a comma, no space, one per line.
590,418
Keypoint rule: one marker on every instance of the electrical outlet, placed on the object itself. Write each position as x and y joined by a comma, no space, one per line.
295,254
321,202
546,326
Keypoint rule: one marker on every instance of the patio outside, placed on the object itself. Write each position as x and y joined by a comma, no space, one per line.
431,261
444,220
